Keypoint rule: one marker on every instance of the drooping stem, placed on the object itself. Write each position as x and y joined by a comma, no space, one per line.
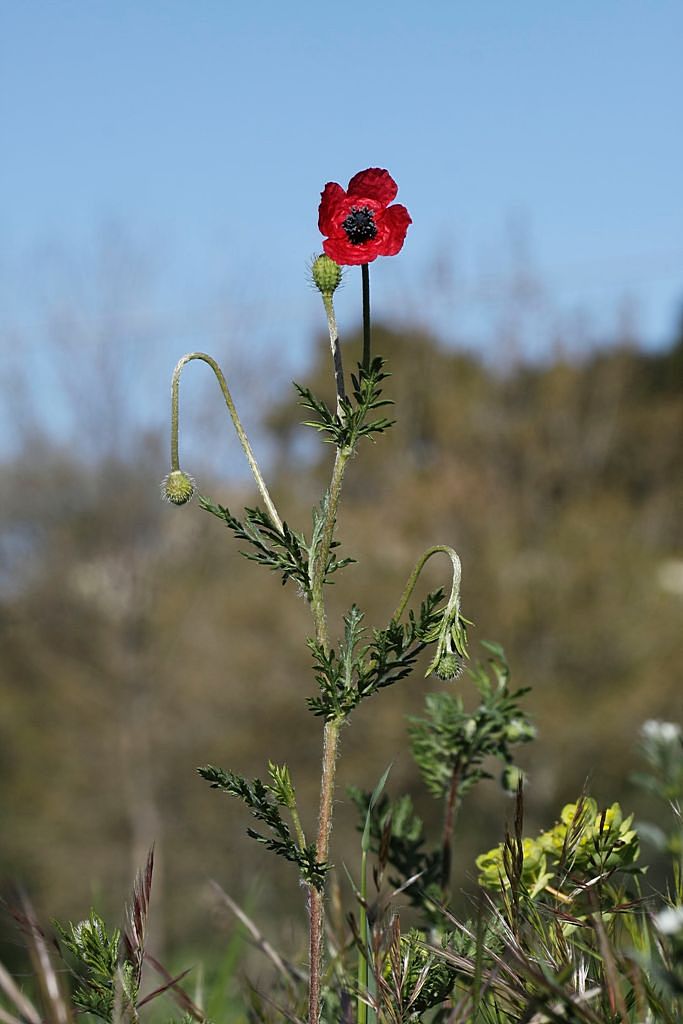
243,439
367,342
452,609
414,576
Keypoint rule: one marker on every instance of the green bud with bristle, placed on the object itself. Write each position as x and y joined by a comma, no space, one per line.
511,778
469,729
326,275
177,487
449,666
518,730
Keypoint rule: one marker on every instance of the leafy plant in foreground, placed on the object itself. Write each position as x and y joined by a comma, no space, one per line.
449,746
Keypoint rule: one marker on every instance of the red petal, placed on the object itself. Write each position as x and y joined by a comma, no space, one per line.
375,183
330,200
345,254
393,229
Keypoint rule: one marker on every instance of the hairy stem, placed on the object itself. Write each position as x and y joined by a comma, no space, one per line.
243,439
414,576
316,897
336,350
322,554
330,735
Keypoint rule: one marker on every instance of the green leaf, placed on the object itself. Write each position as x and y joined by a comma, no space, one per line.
95,952
282,788
448,738
346,679
344,429
285,552
263,802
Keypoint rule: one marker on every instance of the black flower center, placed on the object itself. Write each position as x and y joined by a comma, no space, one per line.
360,225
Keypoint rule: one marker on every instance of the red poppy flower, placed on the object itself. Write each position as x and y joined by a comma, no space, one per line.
359,224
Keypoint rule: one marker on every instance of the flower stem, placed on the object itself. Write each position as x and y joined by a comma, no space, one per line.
316,897
414,576
336,350
321,556
330,735
365,271
243,439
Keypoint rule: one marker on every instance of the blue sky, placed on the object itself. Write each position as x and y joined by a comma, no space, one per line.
202,132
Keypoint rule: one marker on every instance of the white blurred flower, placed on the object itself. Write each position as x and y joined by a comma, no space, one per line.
660,732
670,920
670,576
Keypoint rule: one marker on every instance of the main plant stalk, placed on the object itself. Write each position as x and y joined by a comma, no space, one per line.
330,736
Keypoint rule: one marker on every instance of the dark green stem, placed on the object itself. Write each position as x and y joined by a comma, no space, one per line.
450,812
365,270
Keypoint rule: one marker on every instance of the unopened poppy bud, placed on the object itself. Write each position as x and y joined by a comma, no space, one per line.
326,274
511,778
177,487
449,666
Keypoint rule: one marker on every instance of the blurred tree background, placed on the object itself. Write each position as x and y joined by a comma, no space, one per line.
137,642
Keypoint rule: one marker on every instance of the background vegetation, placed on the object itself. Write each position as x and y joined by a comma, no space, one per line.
137,643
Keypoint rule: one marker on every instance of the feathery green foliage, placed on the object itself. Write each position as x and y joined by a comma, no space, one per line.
347,677
264,802
95,954
449,741
283,551
346,427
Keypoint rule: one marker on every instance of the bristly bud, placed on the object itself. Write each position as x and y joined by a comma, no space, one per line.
449,666
326,275
177,488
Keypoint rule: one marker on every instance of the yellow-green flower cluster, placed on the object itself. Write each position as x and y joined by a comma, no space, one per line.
535,874
585,842
589,841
